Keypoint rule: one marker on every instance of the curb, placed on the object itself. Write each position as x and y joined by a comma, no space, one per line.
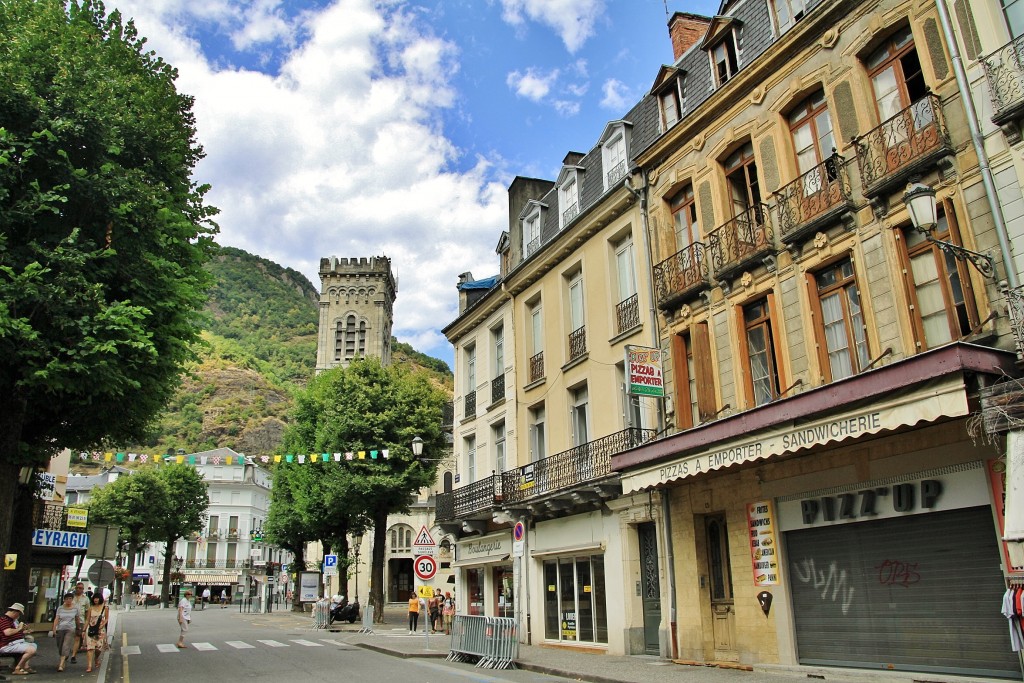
400,654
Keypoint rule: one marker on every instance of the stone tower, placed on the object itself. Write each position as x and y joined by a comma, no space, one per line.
357,299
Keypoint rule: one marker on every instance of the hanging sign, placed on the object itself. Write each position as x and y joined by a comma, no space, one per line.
764,549
643,372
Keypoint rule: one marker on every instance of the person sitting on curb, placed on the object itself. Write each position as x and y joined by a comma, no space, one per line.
12,639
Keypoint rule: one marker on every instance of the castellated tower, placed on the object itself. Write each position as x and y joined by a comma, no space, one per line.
357,299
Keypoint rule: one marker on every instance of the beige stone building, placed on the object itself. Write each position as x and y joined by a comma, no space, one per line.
357,298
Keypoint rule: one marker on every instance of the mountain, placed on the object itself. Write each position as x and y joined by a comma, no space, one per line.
259,345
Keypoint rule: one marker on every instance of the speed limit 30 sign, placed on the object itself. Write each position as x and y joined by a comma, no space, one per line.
425,567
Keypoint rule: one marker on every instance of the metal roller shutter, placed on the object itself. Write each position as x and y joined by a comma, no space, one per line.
919,593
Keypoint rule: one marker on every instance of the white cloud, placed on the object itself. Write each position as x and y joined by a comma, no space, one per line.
533,84
572,20
342,152
616,95
567,108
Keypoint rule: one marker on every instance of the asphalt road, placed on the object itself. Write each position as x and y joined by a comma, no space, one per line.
225,646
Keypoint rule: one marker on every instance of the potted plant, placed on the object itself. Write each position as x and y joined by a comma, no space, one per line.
177,577
121,573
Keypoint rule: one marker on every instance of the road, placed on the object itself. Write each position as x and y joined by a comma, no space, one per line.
226,646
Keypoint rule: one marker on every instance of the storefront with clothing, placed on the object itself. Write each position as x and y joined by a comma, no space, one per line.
484,565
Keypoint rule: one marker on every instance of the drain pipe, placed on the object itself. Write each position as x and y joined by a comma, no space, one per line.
979,144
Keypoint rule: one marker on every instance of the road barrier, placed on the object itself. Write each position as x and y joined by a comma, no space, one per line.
321,613
492,642
367,620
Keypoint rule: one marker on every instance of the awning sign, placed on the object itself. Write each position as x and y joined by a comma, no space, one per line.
643,372
49,538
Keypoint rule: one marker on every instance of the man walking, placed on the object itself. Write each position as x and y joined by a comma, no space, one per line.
184,617
206,596
81,603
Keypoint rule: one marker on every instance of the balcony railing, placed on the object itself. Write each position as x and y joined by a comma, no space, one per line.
617,173
531,247
213,564
468,500
811,197
740,240
444,506
50,516
570,213
536,366
904,145
1015,299
570,468
627,314
447,414
498,388
469,409
578,342
1004,70
682,273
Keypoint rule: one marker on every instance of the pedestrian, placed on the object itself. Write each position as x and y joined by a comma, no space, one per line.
95,632
106,594
434,610
12,639
414,613
81,602
184,617
67,622
448,613
206,596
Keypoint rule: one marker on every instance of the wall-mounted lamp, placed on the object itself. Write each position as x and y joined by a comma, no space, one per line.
920,202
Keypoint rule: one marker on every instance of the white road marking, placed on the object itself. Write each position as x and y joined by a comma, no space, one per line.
163,647
239,645
132,650
204,647
272,643
307,643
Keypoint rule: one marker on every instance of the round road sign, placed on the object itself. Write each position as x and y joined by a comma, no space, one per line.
425,567
518,531
101,573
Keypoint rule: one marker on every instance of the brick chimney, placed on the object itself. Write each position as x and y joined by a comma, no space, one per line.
686,30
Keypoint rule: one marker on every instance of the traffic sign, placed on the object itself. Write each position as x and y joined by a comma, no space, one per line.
101,573
423,537
425,567
425,592
518,531
330,560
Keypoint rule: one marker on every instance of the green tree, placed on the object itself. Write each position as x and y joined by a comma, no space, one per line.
137,503
368,406
187,506
103,234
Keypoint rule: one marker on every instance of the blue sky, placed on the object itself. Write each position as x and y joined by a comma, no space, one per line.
358,128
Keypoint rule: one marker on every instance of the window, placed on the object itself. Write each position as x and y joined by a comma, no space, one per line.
350,336
624,269
576,320
531,233
498,340
568,200
763,383
683,205
469,443
536,341
339,340
896,77
471,368
1014,12
842,321
694,379
575,608
723,56
668,102
813,142
233,525
744,187
214,525
537,434
361,347
613,156
788,12
940,287
498,436
578,415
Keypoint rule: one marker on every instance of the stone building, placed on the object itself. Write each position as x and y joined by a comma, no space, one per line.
357,298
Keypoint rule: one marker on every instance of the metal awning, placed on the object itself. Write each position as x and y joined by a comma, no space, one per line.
191,577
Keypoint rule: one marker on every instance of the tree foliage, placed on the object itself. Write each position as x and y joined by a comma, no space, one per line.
103,233
186,511
366,406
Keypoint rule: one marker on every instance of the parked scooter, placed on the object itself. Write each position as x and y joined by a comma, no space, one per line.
345,611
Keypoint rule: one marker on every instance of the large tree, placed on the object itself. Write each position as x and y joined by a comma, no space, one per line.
103,235
367,406
186,512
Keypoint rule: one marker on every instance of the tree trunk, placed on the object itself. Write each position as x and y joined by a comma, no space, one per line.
165,590
300,564
380,530
21,545
12,413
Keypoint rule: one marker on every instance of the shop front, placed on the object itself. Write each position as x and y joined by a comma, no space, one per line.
486,577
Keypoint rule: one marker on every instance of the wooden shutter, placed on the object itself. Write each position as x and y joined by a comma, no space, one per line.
704,369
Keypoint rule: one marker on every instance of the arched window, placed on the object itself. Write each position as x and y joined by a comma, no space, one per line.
362,338
350,337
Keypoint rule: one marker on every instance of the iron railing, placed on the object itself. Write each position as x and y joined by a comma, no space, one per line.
617,173
900,143
740,239
1015,301
578,342
498,388
680,273
1004,70
444,506
479,496
469,409
197,563
447,415
570,213
570,468
627,314
51,516
532,246
812,195
536,366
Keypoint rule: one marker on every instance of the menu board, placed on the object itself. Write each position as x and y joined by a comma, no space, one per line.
764,547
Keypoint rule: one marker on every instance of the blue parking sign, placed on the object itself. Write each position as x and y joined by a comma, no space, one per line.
330,560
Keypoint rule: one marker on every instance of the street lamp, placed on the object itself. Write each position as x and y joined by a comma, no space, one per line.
920,202
417,446
357,541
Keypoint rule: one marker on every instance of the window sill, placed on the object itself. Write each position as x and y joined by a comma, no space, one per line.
535,383
494,405
576,361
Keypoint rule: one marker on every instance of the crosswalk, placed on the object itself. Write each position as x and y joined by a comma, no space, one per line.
168,648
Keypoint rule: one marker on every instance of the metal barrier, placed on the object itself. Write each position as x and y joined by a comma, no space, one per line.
322,613
491,642
367,620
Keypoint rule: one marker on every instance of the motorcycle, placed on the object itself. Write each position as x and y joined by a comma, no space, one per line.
345,611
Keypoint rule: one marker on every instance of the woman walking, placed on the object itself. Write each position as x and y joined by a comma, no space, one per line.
67,622
95,632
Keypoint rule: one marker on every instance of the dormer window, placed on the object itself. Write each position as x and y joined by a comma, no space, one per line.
669,108
614,146
531,218
724,57
788,12
568,201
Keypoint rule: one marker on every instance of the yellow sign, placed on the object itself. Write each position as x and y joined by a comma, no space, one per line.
10,561
78,517
426,592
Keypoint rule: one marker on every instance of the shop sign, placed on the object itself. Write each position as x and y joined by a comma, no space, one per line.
79,518
764,547
46,485
869,502
49,538
569,625
487,547
644,376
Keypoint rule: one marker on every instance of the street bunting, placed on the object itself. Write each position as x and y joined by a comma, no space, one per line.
239,459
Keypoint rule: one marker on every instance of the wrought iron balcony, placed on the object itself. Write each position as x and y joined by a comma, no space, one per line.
682,274
52,516
627,314
498,388
1015,301
571,468
570,213
444,507
536,366
470,501
578,342
469,407
447,415
907,144
740,240
531,247
813,200
213,564
1004,70
616,173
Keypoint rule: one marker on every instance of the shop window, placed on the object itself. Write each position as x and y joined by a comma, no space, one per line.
575,607
475,591
763,382
840,330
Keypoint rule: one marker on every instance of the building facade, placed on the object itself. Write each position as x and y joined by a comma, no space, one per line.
357,298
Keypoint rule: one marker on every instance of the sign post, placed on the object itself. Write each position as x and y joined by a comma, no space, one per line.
425,567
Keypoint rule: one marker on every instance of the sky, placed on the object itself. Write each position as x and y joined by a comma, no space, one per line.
355,128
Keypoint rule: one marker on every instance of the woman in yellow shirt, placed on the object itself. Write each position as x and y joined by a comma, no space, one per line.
414,613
